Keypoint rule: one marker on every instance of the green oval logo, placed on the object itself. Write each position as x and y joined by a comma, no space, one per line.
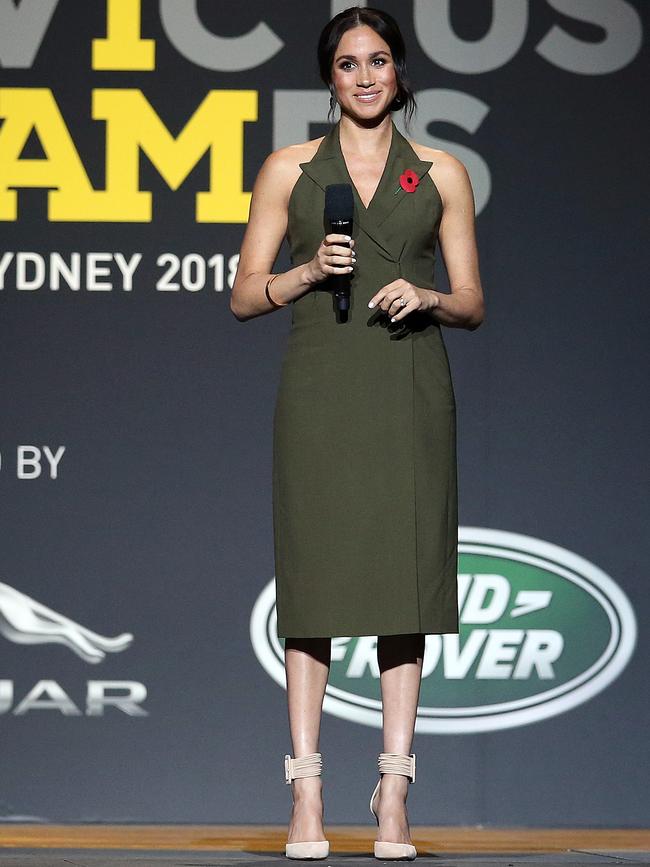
541,631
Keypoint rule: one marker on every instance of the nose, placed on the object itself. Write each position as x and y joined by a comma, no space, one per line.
364,79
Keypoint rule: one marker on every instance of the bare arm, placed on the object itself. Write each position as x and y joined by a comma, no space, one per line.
464,306
267,226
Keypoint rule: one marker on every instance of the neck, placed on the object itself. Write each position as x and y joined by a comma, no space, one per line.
365,139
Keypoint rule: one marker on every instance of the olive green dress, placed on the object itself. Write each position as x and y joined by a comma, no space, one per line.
365,516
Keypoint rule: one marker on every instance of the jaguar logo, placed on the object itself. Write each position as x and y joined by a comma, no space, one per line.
23,620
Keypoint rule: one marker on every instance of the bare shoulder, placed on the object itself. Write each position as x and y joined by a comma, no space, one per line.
447,172
281,169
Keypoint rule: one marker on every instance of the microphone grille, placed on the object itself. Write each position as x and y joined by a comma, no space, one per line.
339,202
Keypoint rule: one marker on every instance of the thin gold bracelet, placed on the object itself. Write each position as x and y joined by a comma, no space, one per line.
266,292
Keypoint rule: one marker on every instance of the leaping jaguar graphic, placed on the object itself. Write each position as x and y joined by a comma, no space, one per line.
26,621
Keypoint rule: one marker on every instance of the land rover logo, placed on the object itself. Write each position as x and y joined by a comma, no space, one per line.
542,630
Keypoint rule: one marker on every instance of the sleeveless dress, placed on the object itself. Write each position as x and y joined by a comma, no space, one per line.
365,515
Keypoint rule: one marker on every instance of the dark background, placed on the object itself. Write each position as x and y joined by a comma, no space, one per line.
160,521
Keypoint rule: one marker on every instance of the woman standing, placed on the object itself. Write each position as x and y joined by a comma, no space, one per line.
364,446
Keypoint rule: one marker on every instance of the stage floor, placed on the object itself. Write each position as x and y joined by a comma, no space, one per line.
113,858
36,845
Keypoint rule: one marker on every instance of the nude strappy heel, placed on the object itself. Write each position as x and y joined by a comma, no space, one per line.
305,766
394,763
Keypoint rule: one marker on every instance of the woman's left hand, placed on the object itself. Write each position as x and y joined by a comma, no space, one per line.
388,298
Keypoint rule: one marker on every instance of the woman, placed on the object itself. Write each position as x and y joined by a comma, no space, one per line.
364,460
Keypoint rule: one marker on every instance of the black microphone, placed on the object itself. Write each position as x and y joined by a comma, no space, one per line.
339,212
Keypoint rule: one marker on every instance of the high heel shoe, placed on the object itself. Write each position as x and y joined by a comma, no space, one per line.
394,763
305,766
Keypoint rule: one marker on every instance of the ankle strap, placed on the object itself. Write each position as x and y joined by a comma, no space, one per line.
304,766
397,763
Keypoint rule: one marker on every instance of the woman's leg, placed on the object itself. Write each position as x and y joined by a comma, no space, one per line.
307,663
400,665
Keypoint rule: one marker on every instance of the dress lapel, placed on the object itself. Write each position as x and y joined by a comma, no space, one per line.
327,166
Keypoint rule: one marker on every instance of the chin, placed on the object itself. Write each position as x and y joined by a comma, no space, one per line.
369,112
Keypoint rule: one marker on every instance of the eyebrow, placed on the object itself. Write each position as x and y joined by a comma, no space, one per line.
353,56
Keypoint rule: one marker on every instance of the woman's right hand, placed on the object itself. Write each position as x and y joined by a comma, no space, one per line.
333,257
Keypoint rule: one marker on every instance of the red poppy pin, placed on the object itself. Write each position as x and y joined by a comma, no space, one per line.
408,181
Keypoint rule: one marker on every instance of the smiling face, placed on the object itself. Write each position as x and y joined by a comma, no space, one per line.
363,73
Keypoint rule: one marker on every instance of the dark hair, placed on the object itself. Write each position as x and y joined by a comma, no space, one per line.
385,26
